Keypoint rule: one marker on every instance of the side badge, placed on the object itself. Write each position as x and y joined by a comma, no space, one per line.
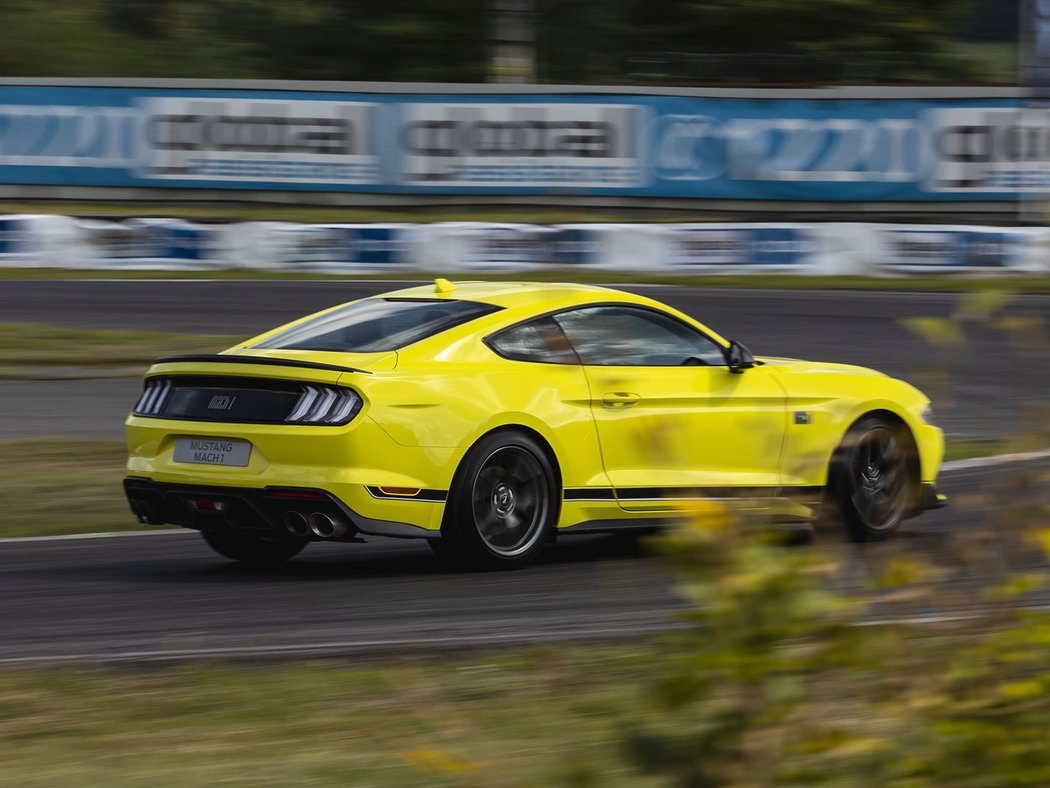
802,417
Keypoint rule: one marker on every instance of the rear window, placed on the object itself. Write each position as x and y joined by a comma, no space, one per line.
376,325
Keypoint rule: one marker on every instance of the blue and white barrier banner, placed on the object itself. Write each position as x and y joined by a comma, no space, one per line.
688,248
614,247
466,247
40,242
638,146
146,244
765,247
323,248
13,237
911,249
480,246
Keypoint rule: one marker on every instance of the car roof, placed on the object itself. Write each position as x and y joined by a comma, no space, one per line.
506,294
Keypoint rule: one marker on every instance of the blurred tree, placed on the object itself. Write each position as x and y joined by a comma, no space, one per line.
578,41
824,40
308,39
763,41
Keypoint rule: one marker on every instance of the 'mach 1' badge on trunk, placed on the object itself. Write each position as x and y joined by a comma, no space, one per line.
222,402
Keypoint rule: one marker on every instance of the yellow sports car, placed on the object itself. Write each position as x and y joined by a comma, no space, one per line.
489,417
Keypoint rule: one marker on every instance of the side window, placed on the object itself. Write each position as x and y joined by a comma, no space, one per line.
538,340
637,337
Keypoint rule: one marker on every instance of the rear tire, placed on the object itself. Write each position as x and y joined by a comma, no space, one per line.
253,550
501,507
872,480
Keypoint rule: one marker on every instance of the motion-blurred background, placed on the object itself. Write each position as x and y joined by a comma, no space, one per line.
374,137
618,42
852,180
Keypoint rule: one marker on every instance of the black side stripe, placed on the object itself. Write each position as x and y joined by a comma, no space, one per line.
631,493
589,494
685,493
689,493
437,496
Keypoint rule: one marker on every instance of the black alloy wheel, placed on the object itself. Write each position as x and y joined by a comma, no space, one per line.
874,478
501,510
253,550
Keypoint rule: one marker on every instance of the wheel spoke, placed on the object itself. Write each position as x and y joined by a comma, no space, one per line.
890,476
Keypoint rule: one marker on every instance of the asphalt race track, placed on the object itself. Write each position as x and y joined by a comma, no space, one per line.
167,596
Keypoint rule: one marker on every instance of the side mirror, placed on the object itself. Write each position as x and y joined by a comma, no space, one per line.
738,358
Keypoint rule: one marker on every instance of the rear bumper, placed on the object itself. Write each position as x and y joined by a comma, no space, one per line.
249,510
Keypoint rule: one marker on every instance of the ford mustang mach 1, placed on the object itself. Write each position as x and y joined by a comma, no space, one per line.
488,417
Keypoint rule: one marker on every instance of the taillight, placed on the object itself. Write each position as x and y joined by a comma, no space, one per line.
324,405
154,395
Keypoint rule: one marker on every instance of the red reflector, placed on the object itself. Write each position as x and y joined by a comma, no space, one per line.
205,506
289,494
400,490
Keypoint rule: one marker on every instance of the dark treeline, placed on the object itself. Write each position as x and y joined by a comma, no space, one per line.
586,41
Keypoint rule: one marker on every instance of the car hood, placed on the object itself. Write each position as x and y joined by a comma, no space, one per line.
799,366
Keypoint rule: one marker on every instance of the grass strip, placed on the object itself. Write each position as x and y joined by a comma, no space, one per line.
1015,283
525,717
415,214
28,345
63,486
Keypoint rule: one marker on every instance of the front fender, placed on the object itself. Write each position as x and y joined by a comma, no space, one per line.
822,410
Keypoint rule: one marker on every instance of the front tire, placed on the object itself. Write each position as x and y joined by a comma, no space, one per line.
872,479
253,550
501,508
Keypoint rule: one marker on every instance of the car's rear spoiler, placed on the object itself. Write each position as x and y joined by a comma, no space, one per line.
219,358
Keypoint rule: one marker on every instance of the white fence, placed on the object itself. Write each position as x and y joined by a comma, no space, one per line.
44,241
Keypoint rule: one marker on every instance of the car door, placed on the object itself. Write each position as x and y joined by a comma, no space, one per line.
673,421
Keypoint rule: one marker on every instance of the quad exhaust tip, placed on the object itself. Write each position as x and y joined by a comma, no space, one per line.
325,526
296,524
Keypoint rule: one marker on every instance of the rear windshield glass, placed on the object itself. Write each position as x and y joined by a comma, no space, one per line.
377,324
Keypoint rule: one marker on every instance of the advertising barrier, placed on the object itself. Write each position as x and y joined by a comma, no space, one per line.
911,249
318,248
670,146
475,247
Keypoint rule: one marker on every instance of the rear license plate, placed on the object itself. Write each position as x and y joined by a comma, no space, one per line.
212,451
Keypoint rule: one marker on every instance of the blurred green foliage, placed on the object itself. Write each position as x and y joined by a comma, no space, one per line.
920,661
611,42
307,39
826,664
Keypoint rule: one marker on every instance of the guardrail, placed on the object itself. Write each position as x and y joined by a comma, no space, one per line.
51,241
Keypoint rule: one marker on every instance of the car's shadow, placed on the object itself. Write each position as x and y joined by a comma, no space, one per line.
389,558
588,555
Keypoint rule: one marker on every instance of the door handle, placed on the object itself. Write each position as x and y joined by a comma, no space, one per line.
620,399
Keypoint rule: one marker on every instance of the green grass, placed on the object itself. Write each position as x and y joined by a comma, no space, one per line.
534,717
1018,283
227,211
62,486
966,450
25,346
